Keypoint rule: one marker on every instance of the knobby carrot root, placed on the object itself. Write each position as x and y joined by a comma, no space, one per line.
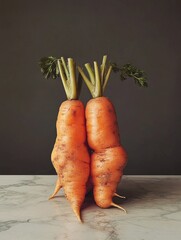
70,156
106,170
109,157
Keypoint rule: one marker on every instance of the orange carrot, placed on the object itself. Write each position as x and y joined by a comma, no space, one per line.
70,156
108,158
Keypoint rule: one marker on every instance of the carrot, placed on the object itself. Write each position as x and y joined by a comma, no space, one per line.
109,157
70,156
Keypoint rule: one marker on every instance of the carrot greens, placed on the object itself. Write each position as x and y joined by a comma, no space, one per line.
52,67
99,76
130,71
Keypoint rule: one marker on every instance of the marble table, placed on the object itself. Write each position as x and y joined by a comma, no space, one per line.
153,207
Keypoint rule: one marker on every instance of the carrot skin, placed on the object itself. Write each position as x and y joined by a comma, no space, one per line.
102,127
106,171
109,157
70,155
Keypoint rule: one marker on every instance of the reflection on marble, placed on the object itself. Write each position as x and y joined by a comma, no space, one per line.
153,204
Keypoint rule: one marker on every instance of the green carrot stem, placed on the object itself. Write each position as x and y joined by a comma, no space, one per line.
90,72
107,77
73,87
100,77
98,80
65,67
61,70
103,66
86,80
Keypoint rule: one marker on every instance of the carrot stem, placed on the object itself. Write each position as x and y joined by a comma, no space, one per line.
98,80
68,77
61,70
103,66
52,67
90,72
107,77
73,88
86,80
65,67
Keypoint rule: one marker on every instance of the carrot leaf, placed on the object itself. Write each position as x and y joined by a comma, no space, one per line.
49,67
130,71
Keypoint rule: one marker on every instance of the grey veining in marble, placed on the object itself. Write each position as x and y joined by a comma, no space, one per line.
153,204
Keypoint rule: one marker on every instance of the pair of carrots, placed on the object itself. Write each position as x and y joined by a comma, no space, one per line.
95,125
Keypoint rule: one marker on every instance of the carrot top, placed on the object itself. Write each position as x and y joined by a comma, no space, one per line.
52,67
99,77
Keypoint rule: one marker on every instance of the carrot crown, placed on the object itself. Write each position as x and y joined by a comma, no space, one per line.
99,76
52,67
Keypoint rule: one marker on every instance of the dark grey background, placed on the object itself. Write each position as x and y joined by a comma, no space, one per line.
144,32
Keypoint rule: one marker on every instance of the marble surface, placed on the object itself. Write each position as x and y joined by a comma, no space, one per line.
153,207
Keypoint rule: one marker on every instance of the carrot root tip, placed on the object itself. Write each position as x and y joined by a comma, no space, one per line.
77,213
79,218
51,197
57,188
117,195
55,192
117,206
